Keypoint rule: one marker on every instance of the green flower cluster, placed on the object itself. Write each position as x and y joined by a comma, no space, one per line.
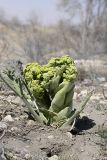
66,65
43,77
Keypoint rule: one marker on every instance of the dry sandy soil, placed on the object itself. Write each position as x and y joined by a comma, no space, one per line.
23,139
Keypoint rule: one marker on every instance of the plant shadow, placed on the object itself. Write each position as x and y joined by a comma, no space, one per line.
82,124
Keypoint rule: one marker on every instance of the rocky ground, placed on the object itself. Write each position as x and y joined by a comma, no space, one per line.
23,139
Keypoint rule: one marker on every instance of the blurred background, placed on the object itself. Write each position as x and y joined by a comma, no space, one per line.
37,30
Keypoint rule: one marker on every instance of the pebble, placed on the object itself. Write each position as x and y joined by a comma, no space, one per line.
17,118
87,81
8,118
101,79
3,126
83,93
15,157
30,123
23,116
82,150
15,129
27,156
103,102
75,95
95,97
69,135
105,85
10,98
24,152
51,137
55,157
10,155
18,101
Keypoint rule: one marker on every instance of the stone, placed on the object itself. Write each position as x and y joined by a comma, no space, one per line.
27,156
15,129
82,150
69,135
87,81
8,118
83,93
3,126
104,102
10,155
15,157
30,123
55,157
104,85
23,116
50,137
95,97
101,79
10,98
75,95
18,101
17,118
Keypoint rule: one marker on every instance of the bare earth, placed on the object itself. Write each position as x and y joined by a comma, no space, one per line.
24,139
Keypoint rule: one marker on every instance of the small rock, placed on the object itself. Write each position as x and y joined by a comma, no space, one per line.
17,118
23,152
75,95
30,123
105,85
15,129
15,157
83,93
55,157
23,116
95,97
84,115
27,156
10,155
3,126
8,118
10,98
87,81
103,102
18,101
51,137
101,79
69,135
38,139
82,150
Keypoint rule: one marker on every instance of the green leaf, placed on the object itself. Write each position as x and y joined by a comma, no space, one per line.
69,97
58,101
77,113
54,84
11,83
62,114
48,112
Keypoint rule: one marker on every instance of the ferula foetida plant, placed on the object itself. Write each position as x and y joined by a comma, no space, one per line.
48,90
